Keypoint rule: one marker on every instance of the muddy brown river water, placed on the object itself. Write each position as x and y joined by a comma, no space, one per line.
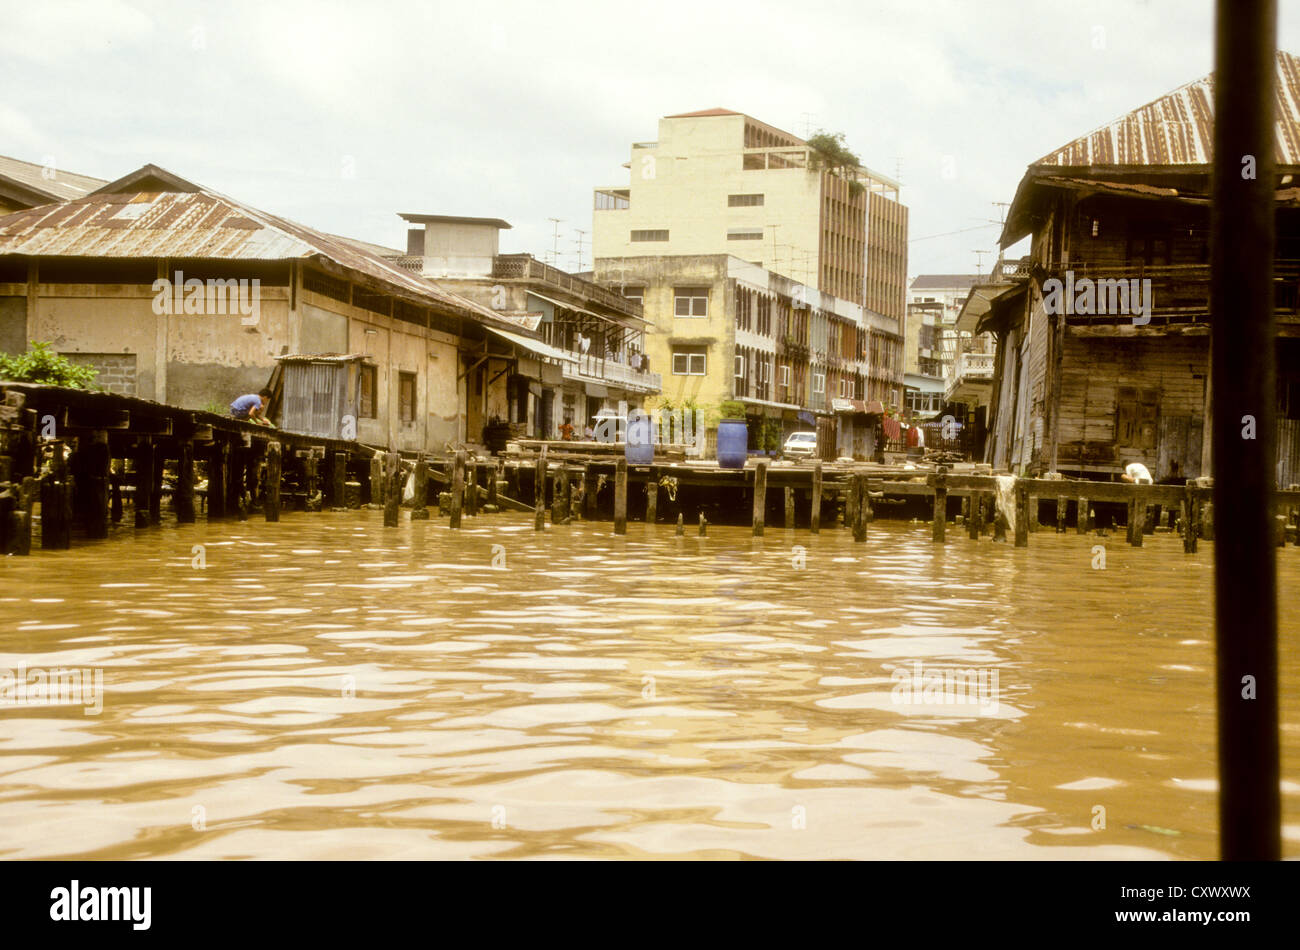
327,688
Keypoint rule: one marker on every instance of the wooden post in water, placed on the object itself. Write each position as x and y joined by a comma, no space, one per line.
939,522
652,496
1062,506
471,487
1134,535
96,490
1081,518
155,488
115,487
338,480
861,506
815,514
1022,515
56,504
789,508
493,474
420,503
274,463
218,459
976,522
557,495
620,497
704,525
236,479
143,480
183,499
1243,368
760,497
457,488
566,498
539,492
392,488
681,528
589,482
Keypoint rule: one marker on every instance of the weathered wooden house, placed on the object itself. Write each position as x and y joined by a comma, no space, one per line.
1103,346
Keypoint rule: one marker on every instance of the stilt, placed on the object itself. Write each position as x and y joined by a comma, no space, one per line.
1022,516
155,488
539,492
704,525
144,450
95,512
566,496
115,487
392,488
1081,518
974,522
183,497
681,528
19,541
589,480
56,504
420,503
1062,506
789,508
938,524
471,487
271,506
760,497
493,473
815,514
620,497
652,496
862,506
218,459
338,480
457,489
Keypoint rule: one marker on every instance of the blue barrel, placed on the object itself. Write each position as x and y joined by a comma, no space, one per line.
640,447
733,443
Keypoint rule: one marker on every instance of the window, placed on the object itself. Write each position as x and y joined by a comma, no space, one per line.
689,361
819,383
649,235
740,367
406,397
369,383
611,201
635,293
745,234
691,301
744,201
1136,413
785,377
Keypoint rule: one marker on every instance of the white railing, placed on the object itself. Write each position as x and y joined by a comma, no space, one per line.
615,374
978,365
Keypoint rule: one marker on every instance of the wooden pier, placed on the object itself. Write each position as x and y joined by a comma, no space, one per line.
77,454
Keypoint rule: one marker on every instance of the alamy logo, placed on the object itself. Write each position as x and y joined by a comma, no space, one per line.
60,687
659,427
945,686
1099,297
103,903
207,298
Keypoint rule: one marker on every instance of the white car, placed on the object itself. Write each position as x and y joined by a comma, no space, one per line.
800,445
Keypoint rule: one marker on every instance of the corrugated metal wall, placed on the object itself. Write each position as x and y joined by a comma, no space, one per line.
1288,452
315,398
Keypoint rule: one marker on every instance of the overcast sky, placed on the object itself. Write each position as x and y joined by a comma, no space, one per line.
340,115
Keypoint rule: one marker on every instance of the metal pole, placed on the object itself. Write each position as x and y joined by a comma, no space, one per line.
1242,351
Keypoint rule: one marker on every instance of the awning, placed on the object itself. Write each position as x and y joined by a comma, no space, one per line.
532,346
872,408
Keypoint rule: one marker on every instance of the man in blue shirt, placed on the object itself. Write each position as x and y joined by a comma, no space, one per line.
252,407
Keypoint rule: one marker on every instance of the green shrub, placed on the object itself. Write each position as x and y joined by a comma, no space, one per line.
40,364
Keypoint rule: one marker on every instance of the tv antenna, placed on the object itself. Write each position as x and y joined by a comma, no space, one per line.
555,250
580,234
979,262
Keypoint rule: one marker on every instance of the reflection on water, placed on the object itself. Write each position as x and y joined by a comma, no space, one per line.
327,688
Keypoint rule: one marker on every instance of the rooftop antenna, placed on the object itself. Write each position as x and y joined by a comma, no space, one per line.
806,120
898,170
555,250
979,263
580,234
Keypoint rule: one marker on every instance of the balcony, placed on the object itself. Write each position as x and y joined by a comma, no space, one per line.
972,376
592,369
527,267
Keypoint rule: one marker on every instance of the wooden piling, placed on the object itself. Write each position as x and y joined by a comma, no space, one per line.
183,497
1081,519
652,496
861,508
56,504
144,450
589,493
471,487
851,502
338,480
1191,530
789,508
155,488
95,512
392,488
566,496
704,525
420,503
218,461
940,518
620,497
681,527
539,492
1022,516
271,504
815,514
457,489
493,473
760,497
115,490
1062,507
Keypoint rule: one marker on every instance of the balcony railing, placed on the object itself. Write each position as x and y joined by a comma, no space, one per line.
967,368
612,373
525,266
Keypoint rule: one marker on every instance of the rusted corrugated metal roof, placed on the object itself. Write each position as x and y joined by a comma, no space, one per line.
170,217
1178,128
54,182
